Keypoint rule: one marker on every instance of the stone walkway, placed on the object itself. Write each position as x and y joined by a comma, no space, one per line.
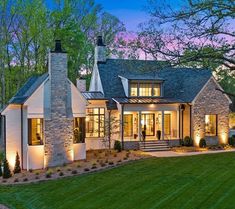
180,154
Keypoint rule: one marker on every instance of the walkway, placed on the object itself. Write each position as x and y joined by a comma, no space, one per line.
180,154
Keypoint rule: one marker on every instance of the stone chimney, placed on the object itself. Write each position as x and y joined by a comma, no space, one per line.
58,119
100,50
81,84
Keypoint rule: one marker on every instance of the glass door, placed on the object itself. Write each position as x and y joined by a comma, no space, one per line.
148,124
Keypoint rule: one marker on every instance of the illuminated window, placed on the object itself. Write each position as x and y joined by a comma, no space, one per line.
167,124
128,125
156,90
134,89
210,125
35,131
95,122
79,130
148,124
145,89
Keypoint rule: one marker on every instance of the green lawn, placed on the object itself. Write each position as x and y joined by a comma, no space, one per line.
203,182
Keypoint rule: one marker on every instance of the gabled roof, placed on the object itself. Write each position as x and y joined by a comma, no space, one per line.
179,83
28,89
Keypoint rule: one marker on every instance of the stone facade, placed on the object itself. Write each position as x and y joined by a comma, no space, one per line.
210,101
59,122
81,85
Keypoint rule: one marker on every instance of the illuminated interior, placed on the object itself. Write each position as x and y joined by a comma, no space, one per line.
35,131
151,123
210,125
95,122
145,89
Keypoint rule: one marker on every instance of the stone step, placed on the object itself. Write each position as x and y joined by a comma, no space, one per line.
154,147
155,150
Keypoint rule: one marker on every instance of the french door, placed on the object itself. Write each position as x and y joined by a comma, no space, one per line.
148,124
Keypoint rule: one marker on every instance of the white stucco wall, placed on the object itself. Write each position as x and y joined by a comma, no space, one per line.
79,151
13,133
78,102
35,157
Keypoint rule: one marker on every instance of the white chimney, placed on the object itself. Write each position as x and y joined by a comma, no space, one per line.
100,50
81,84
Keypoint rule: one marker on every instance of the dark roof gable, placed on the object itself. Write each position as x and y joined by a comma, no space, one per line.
28,89
179,83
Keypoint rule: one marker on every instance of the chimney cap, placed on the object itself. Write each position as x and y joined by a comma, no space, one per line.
58,47
100,41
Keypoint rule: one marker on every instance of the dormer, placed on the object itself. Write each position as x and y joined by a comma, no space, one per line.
142,87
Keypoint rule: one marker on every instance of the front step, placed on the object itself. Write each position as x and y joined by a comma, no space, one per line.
152,146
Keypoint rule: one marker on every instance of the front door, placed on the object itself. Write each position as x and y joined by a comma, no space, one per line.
148,124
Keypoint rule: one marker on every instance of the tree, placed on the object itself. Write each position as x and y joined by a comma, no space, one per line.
184,33
17,168
6,169
111,127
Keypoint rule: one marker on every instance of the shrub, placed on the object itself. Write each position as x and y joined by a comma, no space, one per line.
37,177
6,170
0,169
188,141
48,174
68,169
25,179
17,168
102,164
231,140
30,170
36,173
61,173
117,146
78,165
16,180
58,169
86,169
111,163
202,143
74,172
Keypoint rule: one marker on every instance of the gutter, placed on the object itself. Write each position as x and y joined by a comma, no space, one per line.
122,133
22,135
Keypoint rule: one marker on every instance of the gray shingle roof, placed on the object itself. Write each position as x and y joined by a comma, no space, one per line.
28,89
179,83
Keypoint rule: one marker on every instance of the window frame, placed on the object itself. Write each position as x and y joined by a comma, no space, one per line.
132,125
145,82
99,122
216,125
30,131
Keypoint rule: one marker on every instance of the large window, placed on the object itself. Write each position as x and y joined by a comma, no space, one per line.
134,89
128,125
95,122
145,89
35,131
79,130
210,125
167,124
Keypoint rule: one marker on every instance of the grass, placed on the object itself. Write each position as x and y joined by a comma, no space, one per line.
197,182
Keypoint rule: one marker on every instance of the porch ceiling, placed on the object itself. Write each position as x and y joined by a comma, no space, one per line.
125,100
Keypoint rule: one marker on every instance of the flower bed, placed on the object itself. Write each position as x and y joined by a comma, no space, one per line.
96,160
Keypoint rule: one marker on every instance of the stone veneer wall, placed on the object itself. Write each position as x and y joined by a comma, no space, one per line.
59,122
210,101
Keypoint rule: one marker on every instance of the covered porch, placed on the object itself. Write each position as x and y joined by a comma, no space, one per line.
158,119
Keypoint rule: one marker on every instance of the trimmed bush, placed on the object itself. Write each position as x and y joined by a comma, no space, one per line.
17,168
0,169
188,141
231,140
202,143
6,170
117,146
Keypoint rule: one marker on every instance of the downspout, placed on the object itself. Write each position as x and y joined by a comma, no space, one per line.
5,135
22,135
190,120
122,124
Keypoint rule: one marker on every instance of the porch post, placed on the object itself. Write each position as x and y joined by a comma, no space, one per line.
163,125
139,125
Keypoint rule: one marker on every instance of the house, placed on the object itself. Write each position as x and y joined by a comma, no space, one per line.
51,122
